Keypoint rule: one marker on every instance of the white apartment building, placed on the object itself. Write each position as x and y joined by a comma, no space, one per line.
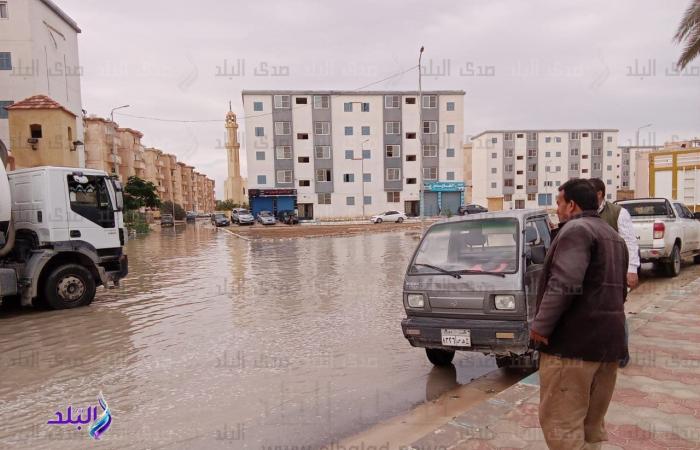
348,154
515,169
38,55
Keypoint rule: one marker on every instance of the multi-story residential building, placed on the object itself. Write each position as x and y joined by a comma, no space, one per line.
39,55
467,172
354,153
131,153
515,169
101,145
155,170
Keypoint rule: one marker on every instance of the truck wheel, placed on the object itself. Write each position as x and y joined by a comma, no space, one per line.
440,357
69,286
673,266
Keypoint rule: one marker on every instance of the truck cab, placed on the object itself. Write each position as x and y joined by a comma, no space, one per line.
471,286
66,235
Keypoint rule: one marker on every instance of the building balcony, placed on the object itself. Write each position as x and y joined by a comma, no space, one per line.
139,164
160,163
116,159
160,176
161,189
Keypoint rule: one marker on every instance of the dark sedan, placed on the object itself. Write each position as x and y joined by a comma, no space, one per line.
220,220
287,217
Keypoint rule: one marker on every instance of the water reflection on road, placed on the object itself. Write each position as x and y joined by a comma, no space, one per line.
213,341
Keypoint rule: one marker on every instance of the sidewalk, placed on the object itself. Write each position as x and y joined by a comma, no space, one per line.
656,403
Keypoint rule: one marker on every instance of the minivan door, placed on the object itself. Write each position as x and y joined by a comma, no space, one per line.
534,268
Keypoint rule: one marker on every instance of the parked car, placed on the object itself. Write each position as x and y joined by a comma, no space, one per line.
166,220
191,216
471,285
389,216
471,209
266,218
666,231
288,217
220,220
242,216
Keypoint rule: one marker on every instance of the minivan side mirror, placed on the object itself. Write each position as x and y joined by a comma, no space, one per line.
696,216
530,235
537,254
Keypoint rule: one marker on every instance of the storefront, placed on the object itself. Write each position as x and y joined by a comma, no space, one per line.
443,197
273,200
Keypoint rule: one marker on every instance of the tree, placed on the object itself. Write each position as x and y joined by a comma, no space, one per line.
167,208
139,193
228,205
689,34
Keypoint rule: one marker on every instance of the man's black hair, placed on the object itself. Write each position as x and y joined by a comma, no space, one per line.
598,185
581,192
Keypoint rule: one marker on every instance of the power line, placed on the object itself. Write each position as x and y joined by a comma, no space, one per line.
160,119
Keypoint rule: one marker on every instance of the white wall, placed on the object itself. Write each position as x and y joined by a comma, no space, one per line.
255,144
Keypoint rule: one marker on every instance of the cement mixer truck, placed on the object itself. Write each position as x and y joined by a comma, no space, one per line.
61,235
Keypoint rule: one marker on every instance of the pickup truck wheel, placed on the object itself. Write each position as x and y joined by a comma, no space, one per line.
69,286
673,266
440,357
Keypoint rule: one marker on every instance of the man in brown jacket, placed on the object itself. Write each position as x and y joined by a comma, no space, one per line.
579,325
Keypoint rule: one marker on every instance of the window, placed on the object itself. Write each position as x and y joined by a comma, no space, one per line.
366,154
508,182
368,199
393,151
574,152
303,136
450,152
260,156
430,151
347,107
430,101
597,135
573,136
519,157
558,154
573,166
597,151
91,200
494,140
410,100
519,172
429,127
3,111
532,153
304,183
284,152
349,178
350,201
557,183
609,168
257,106
262,179
548,184
547,169
519,187
259,131
323,175
284,176
393,197
410,181
609,139
322,151
557,139
507,136
430,173
547,154
519,135
35,131
451,129
324,199
584,135
548,139
5,61
531,197
450,176
393,174
596,166
532,136
494,155
283,128
321,102
392,127
532,167
281,101
365,131
507,197
367,177
508,153
508,168
322,128
531,182
392,101
364,107
584,156
301,100
609,182
450,106
348,131
410,158
494,170
494,185
410,135
349,154
558,169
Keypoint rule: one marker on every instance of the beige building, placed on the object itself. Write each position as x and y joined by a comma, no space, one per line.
42,133
234,188
101,147
467,172
672,171
155,170
131,153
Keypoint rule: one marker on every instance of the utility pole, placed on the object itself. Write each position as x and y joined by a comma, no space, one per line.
111,113
420,142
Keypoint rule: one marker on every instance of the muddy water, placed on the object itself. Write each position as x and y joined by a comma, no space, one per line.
217,342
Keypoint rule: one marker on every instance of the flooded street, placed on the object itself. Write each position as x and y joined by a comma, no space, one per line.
217,342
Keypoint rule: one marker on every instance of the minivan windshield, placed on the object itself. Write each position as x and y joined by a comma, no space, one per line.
468,246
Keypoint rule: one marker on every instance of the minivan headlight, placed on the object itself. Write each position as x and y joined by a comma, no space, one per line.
505,302
415,300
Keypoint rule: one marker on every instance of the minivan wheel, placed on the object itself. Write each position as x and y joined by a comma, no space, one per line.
440,357
69,286
673,266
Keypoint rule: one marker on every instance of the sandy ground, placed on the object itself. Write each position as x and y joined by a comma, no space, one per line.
307,231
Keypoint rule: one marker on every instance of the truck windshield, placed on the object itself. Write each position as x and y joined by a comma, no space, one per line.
642,209
470,246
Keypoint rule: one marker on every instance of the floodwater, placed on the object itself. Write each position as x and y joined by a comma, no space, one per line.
217,342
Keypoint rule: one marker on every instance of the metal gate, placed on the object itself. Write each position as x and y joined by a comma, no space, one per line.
451,201
430,203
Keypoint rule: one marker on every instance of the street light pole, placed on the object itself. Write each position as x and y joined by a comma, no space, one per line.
638,129
420,142
111,113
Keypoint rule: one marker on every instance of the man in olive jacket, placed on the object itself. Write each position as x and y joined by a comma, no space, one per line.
579,325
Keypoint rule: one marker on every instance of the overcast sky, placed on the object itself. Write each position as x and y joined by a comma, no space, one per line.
543,64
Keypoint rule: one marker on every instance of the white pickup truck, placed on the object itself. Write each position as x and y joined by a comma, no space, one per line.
666,231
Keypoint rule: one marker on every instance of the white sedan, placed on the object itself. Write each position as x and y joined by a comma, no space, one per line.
389,216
